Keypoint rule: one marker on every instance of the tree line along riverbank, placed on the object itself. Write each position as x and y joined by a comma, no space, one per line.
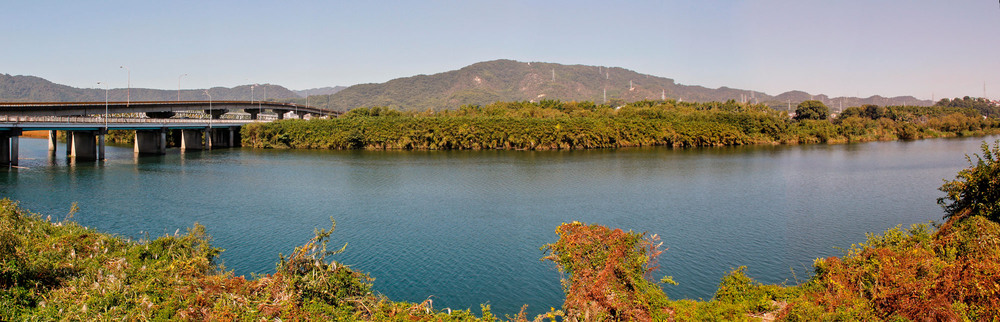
548,125
59,270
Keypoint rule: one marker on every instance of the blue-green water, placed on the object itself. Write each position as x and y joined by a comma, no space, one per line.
465,227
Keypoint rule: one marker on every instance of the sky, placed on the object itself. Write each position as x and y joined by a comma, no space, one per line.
924,48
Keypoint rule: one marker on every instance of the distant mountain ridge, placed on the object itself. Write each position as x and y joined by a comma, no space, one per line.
479,84
319,91
507,80
36,89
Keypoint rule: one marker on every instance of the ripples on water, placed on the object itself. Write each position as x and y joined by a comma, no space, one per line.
465,226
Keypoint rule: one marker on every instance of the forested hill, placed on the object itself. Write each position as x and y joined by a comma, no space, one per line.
508,80
36,89
320,91
478,84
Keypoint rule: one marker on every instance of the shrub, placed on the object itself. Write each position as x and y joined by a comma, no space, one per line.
975,190
607,270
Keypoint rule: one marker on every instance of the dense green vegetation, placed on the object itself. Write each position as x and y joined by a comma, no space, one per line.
812,110
979,104
583,125
58,270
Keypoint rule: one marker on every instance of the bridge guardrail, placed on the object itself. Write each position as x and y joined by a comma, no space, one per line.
114,120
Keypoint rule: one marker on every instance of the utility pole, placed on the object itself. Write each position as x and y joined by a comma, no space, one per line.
106,89
128,93
179,87
209,112
260,103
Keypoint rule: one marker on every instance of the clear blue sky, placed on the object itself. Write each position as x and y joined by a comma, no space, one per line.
840,48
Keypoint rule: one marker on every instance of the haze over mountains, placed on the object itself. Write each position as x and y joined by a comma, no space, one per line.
36,89
507,80
320,91
480,83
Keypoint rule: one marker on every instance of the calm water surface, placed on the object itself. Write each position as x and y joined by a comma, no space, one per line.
465,227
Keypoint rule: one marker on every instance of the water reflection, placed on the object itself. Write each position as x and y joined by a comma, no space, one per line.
465,226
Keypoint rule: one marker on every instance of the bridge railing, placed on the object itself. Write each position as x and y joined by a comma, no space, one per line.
114,120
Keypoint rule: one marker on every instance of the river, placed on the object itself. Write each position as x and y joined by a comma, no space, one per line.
465,227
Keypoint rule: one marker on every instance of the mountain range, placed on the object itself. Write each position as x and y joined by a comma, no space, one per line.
508,80
36,89
481,83
320,91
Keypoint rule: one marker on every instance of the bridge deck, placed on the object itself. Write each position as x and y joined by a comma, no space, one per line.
91,108
82,123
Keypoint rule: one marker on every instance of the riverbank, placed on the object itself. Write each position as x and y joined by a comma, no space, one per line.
570,125
59,270
56,269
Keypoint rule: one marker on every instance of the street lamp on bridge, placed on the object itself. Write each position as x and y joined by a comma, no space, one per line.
209,109
128,93
106,89
179,87
260,103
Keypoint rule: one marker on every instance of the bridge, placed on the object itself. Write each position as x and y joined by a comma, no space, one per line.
156,109
196,125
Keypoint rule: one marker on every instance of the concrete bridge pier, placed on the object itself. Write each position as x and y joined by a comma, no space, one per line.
191,140
5,151
83,145
151,141
9,147
221,137
53,138
100,144
69,143
208,138
237,137
226,137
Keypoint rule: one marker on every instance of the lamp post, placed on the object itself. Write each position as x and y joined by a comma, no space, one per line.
208,134
251,92
179,87
106,89
128,93
209,108
102,135
260,103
